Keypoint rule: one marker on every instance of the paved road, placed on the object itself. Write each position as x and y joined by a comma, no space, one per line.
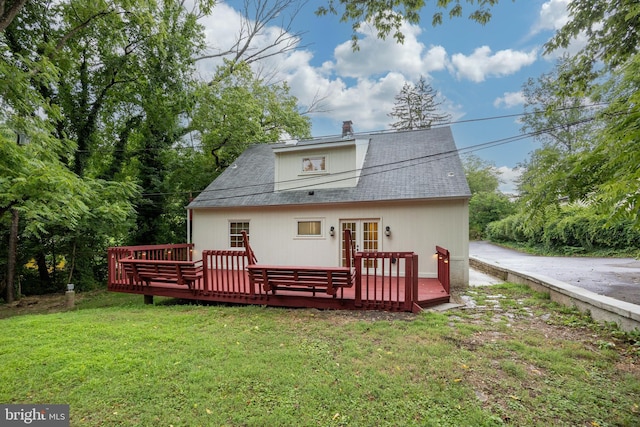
614,277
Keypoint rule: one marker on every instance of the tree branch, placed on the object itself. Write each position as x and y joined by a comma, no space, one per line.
256,18
7,15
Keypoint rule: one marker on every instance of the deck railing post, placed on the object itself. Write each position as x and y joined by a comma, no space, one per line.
111,270
358,284
408,283
205,271
414,279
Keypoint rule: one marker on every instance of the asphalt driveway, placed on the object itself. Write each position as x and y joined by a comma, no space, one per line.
618,278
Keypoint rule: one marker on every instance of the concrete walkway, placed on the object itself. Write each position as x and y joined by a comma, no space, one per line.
617,278
609,288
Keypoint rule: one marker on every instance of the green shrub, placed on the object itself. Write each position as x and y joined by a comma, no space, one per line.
569,229
484,208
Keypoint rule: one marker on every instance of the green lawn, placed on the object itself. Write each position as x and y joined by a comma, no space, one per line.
517,359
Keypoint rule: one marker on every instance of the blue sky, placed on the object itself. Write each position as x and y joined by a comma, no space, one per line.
478,70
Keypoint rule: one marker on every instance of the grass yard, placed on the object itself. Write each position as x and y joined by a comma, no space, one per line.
515,359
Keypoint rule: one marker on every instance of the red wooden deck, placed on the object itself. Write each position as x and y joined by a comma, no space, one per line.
392,286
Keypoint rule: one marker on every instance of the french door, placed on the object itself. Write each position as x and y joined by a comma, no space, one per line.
365,234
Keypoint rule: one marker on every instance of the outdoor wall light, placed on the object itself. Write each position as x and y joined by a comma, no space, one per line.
332,231
387,231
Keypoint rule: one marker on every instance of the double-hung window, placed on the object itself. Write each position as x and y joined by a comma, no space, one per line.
235,233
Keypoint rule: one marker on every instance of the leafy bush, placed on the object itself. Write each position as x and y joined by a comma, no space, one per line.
509,229
484,208
569,229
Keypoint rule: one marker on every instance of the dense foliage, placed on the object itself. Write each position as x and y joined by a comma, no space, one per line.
569,229
581,188
106,131
487,203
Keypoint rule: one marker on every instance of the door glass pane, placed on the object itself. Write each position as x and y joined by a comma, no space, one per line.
370,237
366,236
347,226
370,240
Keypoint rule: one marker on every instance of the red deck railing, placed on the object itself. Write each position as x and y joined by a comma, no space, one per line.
225,273
444,275
384,280
170,252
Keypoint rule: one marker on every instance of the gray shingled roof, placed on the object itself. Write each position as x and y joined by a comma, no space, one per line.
410,165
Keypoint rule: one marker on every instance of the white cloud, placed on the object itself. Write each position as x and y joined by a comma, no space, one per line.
379,69
221,30
553,15
436,59
509,99
361,85
509,179
376,56
482,63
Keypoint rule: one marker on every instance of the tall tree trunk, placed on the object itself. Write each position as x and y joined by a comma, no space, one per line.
43,271
11,260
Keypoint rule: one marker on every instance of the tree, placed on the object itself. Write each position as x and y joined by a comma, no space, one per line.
90,69
617,156
416,107
486,207
487,203
388,17
257,17
482,176
35,185
612,37
237,110
554,115
8,11
607,69
564,124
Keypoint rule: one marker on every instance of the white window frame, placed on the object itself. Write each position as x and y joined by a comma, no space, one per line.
238,235
321,235
313,160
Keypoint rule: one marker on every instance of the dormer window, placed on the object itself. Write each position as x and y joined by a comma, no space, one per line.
319,164
315,164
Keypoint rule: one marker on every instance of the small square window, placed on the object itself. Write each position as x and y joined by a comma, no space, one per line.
235,233
314,164
310,228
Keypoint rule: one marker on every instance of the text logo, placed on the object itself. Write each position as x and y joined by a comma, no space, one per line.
34,415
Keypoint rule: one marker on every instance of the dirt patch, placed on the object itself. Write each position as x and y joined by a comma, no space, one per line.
36,304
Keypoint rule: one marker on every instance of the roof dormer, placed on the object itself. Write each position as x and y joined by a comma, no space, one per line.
315,164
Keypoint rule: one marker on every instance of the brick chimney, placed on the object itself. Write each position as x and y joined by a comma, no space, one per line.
347,128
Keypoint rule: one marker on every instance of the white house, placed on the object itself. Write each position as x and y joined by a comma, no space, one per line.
397,191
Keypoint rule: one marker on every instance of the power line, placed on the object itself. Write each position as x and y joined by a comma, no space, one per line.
367,171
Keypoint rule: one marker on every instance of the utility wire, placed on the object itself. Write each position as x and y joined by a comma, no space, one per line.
370,170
